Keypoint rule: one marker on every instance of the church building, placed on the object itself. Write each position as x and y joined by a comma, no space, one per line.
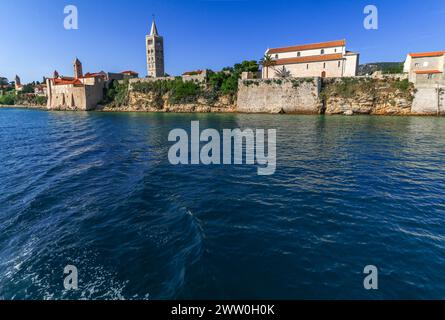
325,59
81,92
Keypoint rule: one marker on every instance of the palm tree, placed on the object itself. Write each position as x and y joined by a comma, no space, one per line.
283,73
267,62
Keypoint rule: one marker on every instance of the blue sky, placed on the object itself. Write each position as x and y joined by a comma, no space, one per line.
204,34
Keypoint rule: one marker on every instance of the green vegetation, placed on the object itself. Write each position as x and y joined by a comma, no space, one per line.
347,88
117,92
11,98
7,99
403,85
283,73
178,91
297,82
384,67
393,69
225,82
267,62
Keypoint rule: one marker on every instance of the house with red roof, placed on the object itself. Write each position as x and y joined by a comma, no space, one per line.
324,59
426,67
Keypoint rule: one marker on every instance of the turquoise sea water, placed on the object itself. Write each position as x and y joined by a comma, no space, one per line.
96,190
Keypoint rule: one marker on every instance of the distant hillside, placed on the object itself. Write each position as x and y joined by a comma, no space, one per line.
385,67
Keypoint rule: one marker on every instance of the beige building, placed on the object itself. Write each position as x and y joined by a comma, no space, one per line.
326,59
81,92
426,67
155,53
18,84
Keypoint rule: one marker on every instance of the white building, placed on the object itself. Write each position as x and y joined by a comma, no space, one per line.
326,59
426,67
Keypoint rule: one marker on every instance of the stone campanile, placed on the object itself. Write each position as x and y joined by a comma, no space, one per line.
78,72
155,53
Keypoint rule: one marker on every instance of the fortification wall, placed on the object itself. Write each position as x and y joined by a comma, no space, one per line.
280,96
429,100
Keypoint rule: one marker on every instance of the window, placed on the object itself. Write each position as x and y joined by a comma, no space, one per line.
430,76
298,54
322,51
307,66
416,64
324,65
276,56
339,64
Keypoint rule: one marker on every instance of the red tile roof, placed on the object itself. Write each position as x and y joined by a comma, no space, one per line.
321,45
325,57
93,75
130,72
427,71
66,81
193,73
427,54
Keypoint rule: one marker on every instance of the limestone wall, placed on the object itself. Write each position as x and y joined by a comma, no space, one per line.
429,100
279,95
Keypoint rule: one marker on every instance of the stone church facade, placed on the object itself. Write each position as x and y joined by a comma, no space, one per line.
325,59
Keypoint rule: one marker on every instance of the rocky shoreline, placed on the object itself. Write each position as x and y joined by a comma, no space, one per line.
336,96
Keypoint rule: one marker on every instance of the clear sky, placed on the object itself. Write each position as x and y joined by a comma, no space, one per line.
204,34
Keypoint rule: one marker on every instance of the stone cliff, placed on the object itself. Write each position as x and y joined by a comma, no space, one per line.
367,96
149,102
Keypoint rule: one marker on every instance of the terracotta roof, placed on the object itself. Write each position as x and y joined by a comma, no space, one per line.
93,75
321,45
129,72
325,57
427,54
427,71
65,82
193,73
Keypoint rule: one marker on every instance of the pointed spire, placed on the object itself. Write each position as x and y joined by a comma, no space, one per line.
154,29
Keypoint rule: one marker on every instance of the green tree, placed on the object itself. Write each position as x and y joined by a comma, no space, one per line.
267,62
28,88
283,73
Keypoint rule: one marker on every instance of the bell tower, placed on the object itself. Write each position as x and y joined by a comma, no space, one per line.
78,73
155,53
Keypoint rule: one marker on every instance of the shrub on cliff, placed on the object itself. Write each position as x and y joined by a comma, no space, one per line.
183,92
178,91
225,82
117,93
7,99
